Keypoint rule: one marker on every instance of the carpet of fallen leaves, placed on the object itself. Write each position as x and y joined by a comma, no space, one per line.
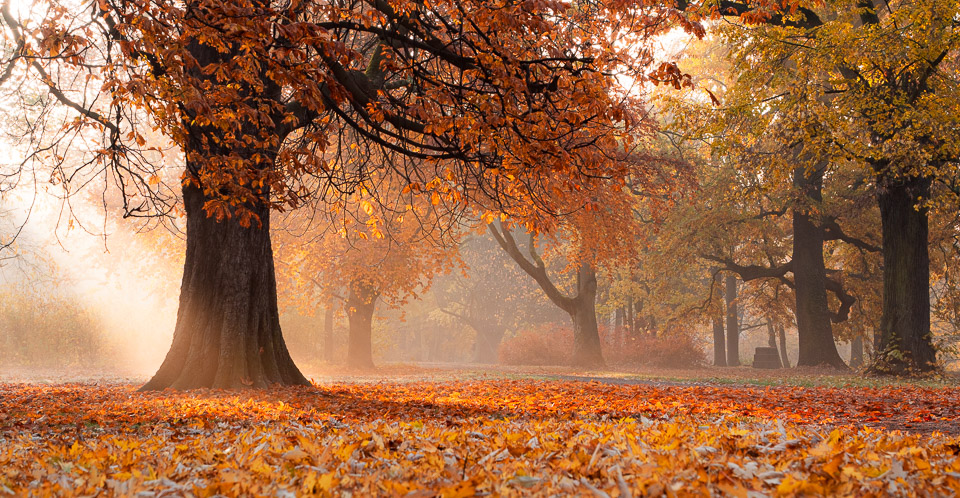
479,437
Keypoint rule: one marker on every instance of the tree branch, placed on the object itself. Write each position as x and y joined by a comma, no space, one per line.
832,231
729,8
14,26
754,272
846,300
535,269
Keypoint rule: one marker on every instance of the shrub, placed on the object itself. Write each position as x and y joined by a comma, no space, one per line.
552,344
547,344
44,328
675,348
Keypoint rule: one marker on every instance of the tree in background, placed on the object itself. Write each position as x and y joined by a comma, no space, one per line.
868,87
768,197
492,296
599,232
366,251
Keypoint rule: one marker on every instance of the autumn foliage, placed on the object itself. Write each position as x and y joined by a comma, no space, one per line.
552,344
672,349
548,344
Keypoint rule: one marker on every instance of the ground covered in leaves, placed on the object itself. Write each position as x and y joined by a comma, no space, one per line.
498,437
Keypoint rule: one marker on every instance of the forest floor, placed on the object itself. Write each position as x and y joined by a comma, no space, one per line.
426,430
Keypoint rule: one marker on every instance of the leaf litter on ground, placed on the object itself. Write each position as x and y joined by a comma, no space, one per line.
479,437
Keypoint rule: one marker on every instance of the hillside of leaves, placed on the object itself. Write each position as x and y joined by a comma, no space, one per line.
480,437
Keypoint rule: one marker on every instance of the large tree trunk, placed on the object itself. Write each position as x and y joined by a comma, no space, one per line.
228,328
733,323
586,335
814,330
581,307
361,303
906,343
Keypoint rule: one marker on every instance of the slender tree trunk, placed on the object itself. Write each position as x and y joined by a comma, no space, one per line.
814,330
329,344
856,352
772,340
361,303
877,339
719,348
733,323
906,342
418,344
784,358
719,340
434,354
586,335
618,327
228,328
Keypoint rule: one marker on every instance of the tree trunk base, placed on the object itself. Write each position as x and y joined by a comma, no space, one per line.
227,334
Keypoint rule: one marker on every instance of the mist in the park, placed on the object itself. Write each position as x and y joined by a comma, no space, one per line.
479,248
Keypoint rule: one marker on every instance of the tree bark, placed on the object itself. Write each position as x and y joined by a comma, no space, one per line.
719,348
906,342
856,352
361,303
877,340
418,343
733,323
227,333
228,328
719,339
618,331
771,334
814,330
586,335
784,358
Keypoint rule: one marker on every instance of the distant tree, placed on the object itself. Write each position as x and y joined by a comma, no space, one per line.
364,252
599,232
767,196
867,86
492,296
